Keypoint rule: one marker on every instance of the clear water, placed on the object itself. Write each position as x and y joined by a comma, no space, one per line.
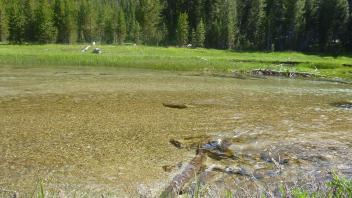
92,131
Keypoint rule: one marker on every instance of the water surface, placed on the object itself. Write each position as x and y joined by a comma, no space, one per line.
94,131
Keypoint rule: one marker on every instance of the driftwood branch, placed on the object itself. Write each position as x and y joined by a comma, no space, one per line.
190,171
219,148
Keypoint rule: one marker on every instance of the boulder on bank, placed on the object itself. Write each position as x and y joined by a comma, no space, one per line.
97,51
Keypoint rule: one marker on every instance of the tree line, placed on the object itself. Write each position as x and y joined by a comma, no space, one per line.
319,25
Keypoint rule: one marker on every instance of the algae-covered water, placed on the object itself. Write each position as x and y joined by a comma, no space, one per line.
104,131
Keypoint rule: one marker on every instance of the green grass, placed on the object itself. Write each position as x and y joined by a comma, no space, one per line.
338,187
175,59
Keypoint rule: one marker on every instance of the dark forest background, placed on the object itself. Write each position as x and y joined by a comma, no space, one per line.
302,25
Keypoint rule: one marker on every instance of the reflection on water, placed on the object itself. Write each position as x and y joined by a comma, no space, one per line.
83,131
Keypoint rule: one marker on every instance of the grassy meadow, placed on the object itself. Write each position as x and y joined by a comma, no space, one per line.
176,59
70,130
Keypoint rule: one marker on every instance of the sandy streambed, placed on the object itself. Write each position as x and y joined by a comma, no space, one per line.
94,131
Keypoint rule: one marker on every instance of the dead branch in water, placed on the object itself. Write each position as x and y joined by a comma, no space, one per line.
190,171
211,148
289,74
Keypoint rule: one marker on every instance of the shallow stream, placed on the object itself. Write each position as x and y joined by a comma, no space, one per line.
105,131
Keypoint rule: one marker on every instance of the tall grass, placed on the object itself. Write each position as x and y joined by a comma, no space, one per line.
174,59
339,187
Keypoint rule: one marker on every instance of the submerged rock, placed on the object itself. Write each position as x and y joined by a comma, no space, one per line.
315,158
274,157
176,143
218,149
233,171
265,173
170,168
175,106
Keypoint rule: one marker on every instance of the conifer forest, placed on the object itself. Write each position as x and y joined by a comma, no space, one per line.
300,25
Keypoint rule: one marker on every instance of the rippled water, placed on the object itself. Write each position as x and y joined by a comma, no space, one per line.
93,131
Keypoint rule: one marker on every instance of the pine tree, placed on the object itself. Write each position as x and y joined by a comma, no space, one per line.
340,24
136,31
109,33
200,34
30,23
3,27
195,12
161,35
253,18
325,22
81,21
241,24
121,27
63,21
214,23
247,14
85,22
193,38
148,16
275,24
261,26
333,18
44,27
306,24
100,22
349,30
300,24
16,22
129,8
170,15
289,23
229,25
230,40
182,30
